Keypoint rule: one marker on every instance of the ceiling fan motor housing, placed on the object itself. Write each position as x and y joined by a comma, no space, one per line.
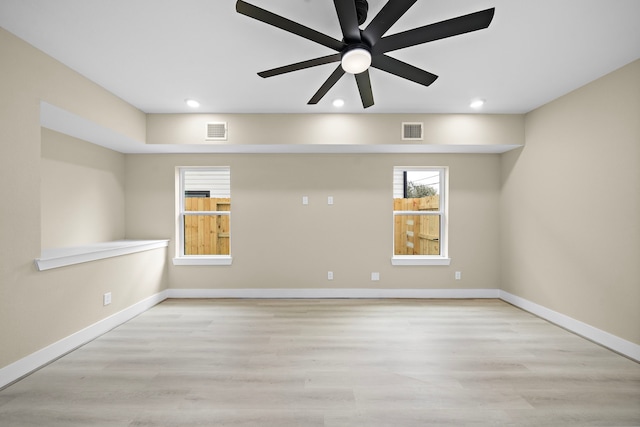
356,57
362,7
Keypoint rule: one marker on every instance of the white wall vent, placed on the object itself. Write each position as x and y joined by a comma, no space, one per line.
217,131
412,131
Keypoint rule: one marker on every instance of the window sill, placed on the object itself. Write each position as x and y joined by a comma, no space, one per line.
203,260
61,257
419,260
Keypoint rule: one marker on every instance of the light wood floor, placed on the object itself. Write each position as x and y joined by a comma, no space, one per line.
331,363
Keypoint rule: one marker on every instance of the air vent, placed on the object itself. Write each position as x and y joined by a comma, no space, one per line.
217,131
412,131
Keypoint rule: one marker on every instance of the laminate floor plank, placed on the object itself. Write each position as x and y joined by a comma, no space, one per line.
331,363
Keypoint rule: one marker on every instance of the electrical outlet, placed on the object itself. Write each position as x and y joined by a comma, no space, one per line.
375,276
330,200
330,275
305,200
458,275
106,298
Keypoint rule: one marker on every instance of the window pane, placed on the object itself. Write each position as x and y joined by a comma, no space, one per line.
205,189
207,204
206,235
420,183
417,234
429,203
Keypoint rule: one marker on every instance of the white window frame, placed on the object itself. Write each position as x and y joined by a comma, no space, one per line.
443,211
181,258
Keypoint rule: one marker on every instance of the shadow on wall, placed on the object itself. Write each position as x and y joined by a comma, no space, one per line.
508,162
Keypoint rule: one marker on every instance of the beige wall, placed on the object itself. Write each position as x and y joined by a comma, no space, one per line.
570,206
40,308
82,192
279,243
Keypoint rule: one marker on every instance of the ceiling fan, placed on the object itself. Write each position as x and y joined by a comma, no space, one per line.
361,49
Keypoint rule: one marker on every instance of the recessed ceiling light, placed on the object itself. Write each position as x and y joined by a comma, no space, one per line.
338,103
192,103
477,103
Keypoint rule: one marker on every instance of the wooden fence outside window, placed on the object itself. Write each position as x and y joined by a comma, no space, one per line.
206,234
417,234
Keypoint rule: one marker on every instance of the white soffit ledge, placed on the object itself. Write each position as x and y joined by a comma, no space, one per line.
328,149
60,120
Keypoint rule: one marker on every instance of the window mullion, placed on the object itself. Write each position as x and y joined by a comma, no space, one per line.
207,213
418,212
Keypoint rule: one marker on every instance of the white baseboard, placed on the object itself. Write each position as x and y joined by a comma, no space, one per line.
26,365
613,342
334,293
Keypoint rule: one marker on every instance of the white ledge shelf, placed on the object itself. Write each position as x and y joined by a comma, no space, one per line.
61,257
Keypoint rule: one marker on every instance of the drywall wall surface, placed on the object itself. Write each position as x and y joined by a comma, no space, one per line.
337,129
570,206
82,192
40,308
277,242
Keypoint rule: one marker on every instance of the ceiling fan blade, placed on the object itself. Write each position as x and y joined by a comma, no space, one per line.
278,21
300,65
364,86
346,10
402,69
390,13
332,80
440,30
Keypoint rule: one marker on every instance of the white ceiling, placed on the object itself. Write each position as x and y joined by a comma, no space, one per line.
156,53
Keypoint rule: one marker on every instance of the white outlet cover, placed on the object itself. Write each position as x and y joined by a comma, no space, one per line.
330,200
375,276
330,275
305,200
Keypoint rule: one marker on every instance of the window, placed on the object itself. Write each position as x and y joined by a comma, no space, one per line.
420,216
204,216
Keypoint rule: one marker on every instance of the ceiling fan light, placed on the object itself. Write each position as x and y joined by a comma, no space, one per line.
338,103
356,61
